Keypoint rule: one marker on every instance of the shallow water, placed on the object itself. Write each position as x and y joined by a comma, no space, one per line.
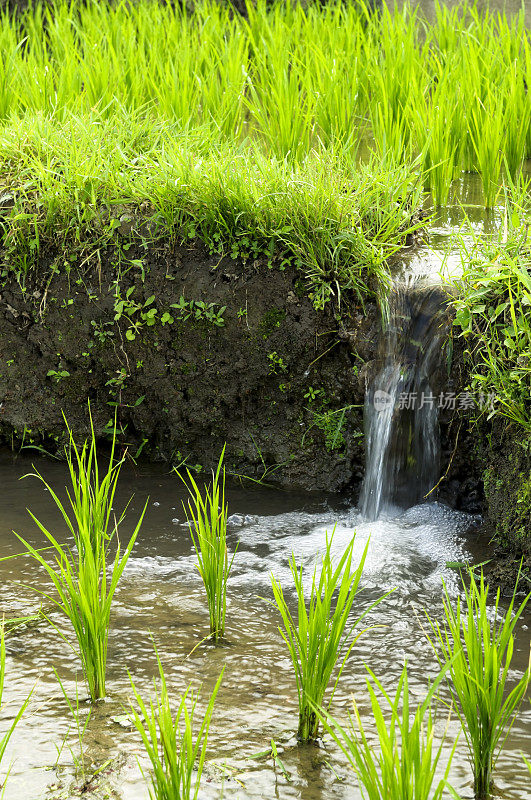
509,7
161,595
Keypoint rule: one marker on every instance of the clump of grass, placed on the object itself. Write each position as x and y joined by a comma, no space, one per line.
169,741
4,739
337,223
86,576
322,634
207,512
478,645
492,301
406,761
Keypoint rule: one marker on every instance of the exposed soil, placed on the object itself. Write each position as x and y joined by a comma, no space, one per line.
462,451
270,382
507,480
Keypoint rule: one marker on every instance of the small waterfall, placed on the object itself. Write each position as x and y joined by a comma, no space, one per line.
401,409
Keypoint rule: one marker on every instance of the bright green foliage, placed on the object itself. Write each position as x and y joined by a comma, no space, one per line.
207,512
336,223
477,640
493,312
487,131
4,739
175,752
404,765
321,636
453,92
86,576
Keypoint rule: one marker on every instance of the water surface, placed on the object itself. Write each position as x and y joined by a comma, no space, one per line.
161,597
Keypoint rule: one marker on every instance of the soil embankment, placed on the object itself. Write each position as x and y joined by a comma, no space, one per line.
193,352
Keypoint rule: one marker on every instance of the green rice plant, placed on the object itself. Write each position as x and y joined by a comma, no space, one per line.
517,200
80,728
477,640
272,752
487,130
5,737
207,512
517,122
332,59
321,636
86,576
440,124
404,763
177,754
277,103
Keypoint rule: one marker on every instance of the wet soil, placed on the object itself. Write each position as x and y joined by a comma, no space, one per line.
256,367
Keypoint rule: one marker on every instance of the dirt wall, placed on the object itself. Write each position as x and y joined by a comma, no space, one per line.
192,352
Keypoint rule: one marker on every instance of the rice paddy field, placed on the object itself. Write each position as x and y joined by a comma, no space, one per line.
447,96
326,138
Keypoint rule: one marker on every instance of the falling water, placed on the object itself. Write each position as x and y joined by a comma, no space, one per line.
401,416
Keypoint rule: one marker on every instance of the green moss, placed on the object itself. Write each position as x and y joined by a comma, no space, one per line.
271,320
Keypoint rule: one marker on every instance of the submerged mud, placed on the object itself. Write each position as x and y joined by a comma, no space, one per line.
191,352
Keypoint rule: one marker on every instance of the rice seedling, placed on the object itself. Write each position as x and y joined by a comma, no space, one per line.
85,577
440,124
322,635
5,737
207,512
177,754
479,645
272,752
517,122
517,200
487,132
80,728
405,761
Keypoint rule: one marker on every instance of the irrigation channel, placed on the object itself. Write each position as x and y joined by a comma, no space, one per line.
412,543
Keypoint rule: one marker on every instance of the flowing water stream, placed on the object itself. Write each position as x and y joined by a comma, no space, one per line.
411,544
401,419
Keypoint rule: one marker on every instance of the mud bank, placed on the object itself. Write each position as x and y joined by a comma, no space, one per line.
507,483
192,352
